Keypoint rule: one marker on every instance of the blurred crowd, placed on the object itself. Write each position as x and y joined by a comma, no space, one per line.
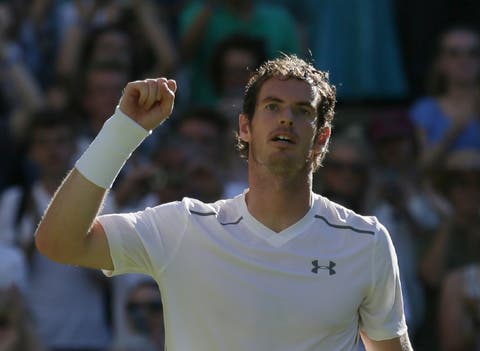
405,146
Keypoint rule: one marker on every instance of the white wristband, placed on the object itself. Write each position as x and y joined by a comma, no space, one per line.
106,155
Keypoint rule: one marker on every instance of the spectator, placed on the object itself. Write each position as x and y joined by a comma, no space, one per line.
157,180
17,332
455,243
57,292
203,24
100,88
448,118
401,199
344,177
233,61
459,313
128,31
145,312
208,131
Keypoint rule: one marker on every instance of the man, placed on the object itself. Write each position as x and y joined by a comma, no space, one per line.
68,303
276,268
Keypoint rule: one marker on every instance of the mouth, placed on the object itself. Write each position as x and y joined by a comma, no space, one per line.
283,138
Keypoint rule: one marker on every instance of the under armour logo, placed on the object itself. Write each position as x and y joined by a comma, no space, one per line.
330,266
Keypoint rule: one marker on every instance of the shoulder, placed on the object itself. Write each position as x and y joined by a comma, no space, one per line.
224,211
340,217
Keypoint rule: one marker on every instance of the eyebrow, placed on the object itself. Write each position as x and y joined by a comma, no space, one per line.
276,99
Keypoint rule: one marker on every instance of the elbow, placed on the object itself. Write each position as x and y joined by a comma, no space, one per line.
49,247
42,243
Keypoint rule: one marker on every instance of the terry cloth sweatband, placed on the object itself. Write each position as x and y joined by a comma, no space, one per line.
106,155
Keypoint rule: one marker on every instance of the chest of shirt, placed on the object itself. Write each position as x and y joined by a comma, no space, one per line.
311,280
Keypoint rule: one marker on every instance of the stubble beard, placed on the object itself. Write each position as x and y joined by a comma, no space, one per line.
283,164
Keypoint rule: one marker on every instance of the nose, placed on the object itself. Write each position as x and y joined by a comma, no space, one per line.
286,118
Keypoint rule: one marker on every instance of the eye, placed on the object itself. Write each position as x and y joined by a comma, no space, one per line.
303,111
272,107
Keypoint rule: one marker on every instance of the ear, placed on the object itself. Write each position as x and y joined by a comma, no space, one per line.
322,139
244,127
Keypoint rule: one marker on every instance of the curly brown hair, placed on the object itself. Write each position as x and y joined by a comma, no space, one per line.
288,67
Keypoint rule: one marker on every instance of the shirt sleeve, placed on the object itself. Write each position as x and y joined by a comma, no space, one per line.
382,315
145,241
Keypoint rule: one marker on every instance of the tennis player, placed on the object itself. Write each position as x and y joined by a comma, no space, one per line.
276,268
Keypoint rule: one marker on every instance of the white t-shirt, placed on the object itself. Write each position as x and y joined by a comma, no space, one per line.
230,283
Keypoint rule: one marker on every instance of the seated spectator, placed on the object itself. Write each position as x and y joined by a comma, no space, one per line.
344,177
233,61
459,310
144,311
128,31
207,131
17,332
401,200
455,243
56,292
203,24
448,118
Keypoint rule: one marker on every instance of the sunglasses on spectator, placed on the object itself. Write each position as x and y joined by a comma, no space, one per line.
340,166
151,306
455,52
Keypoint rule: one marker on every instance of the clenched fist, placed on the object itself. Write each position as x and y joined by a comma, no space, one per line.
149,102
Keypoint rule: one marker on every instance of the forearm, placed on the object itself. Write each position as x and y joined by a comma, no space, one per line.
192,38
432,266
433,155
157,35
61,234
23,84
70,51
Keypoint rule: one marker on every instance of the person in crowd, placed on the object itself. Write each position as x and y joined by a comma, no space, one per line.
67,302
144,310
345,173
277,267
459,309
204,24
208,131
402,200
455,243
448,118
99,90
234,59
128,31
17,331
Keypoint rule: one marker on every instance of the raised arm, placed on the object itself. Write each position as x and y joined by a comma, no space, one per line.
68,232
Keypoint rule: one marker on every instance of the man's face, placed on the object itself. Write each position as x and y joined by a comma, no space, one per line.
52,150
202,136
104,88
282,134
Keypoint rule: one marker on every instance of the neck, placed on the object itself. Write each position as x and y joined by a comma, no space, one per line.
279,201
